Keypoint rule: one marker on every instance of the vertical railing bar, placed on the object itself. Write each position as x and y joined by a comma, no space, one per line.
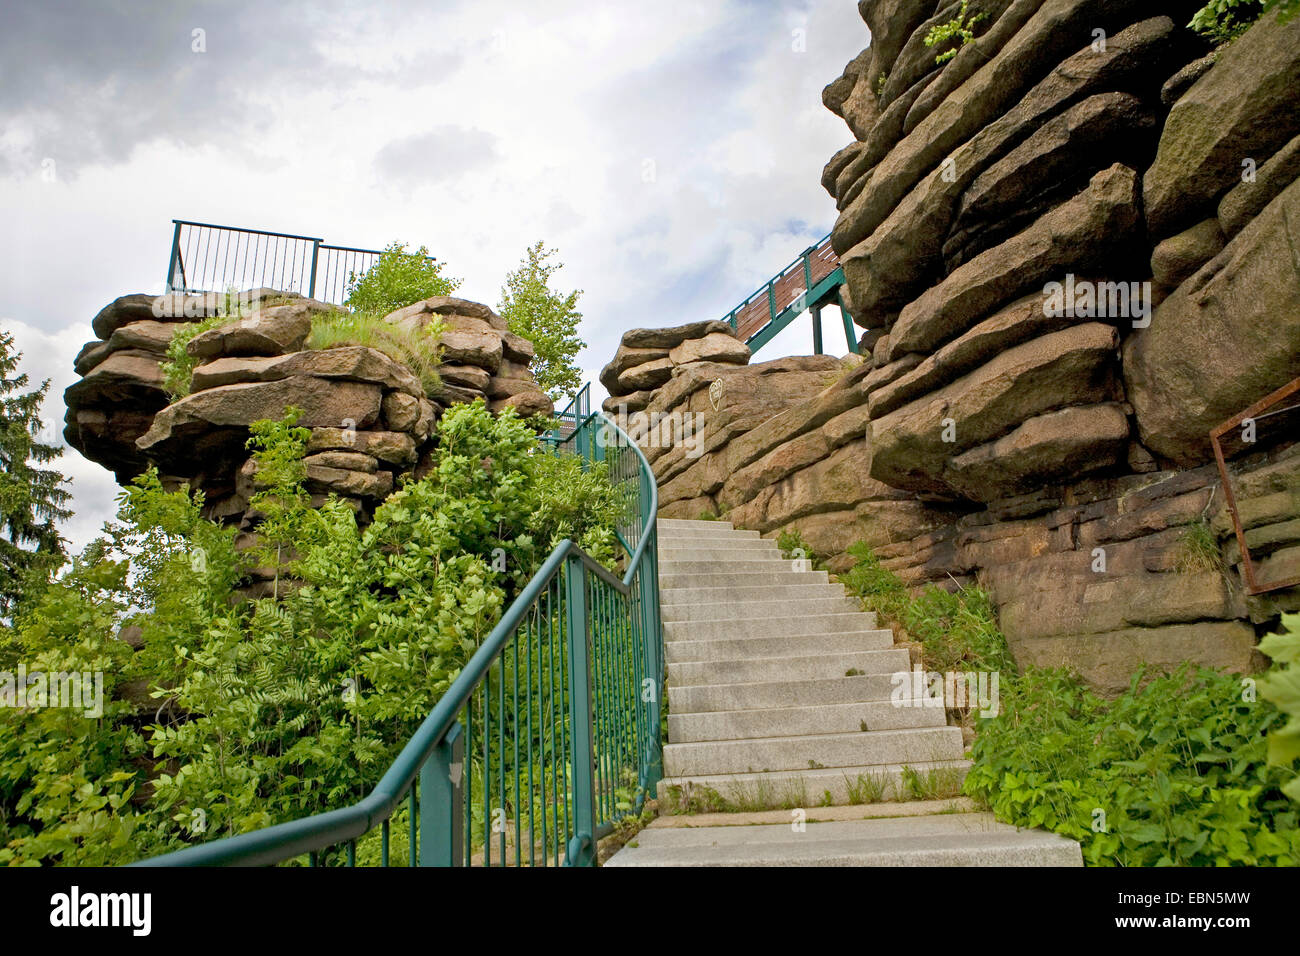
518,809
501,748
383,843
528,725
225,262
411,833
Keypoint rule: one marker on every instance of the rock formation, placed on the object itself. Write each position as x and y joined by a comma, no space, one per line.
1070,248
370,417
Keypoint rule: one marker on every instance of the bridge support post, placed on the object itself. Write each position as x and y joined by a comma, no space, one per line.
849,331
582,847
816,312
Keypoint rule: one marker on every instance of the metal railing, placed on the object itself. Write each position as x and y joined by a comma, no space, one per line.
212,258
809,283
577,411
549,736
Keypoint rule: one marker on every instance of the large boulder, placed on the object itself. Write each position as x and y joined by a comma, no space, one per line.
352,363
914,445
209,428
1222,340
897,259
1092,231
273,331
1241,111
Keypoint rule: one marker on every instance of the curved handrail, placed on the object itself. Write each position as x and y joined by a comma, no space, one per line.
321,831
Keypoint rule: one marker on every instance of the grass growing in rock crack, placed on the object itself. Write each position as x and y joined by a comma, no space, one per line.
1198,550
420,351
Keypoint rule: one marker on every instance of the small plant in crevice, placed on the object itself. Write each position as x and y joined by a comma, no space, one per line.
1198,550
867,788
1222,21
959,28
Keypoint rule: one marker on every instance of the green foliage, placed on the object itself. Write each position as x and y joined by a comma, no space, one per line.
179,365
957,629
1224,20
792,546
32,498
547,319
418,349
1198,549
398,279
881,80
270,710
1172,773
959,28
1281,687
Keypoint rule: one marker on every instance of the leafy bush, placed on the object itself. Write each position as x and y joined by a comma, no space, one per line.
1224,20
270,710
398,279
1281,687
1172,773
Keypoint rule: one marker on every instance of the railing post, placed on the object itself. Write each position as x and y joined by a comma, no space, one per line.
315,252
442,811
648,586
582,848
771,302
176,252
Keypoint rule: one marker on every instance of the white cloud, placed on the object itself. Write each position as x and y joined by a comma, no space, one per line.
561,104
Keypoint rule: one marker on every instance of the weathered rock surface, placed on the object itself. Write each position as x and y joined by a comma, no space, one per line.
271,331
1242,109
1222,340
1090,232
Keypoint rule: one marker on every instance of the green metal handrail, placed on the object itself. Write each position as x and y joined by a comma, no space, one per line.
812,298
584,750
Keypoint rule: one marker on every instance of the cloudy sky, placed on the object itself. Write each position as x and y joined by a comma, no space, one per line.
670,151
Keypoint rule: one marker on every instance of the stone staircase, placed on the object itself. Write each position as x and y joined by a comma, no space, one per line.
779,684
779,694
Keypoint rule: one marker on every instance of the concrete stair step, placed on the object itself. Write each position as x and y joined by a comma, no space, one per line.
800,591
754,562
760,610
794,721
692,534
686,524
793,668
760,695
775,576
722,555
954,839
733,542
831,786
780,626
813,751
745,648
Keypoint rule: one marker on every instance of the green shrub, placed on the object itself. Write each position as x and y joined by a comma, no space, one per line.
398,279
1281,687
272,710
1172,773
1224,20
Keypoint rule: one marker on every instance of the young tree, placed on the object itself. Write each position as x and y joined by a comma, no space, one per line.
31,498
547,319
